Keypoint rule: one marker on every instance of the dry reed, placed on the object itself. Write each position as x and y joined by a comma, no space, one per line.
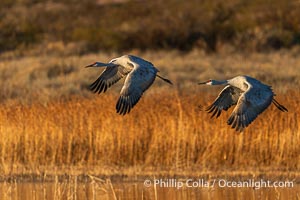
165,131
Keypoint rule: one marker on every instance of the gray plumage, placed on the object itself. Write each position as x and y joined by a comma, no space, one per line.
140,76
250,96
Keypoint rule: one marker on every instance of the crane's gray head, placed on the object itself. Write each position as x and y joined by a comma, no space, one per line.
213,82
208,82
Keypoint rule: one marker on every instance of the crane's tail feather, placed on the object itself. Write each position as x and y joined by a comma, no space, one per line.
164,79
279,106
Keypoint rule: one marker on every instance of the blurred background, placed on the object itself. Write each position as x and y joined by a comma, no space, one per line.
102,25
45,44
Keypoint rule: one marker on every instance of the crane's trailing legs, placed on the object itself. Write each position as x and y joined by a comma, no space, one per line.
164,79
279,106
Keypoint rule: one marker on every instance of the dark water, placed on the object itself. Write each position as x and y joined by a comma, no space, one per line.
105,189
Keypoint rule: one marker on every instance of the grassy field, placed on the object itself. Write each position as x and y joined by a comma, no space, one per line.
164,132
52,124
57,72
58,140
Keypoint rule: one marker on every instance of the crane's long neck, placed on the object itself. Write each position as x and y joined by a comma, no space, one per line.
215,82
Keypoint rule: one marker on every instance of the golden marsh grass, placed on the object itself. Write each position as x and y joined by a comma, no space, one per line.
165,131
55,134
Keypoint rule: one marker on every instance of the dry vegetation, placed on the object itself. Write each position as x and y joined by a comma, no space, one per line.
52,124
256,25
164,132
55,71
52,128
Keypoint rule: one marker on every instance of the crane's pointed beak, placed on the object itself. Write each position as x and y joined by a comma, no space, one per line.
92,65
202,83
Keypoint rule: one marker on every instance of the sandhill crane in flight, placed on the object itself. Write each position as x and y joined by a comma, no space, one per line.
250,96
140,76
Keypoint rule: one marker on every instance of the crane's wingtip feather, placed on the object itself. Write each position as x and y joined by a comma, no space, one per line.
202,108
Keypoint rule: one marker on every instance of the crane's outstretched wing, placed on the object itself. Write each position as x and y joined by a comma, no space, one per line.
137,81
253,102
108,77
228,96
